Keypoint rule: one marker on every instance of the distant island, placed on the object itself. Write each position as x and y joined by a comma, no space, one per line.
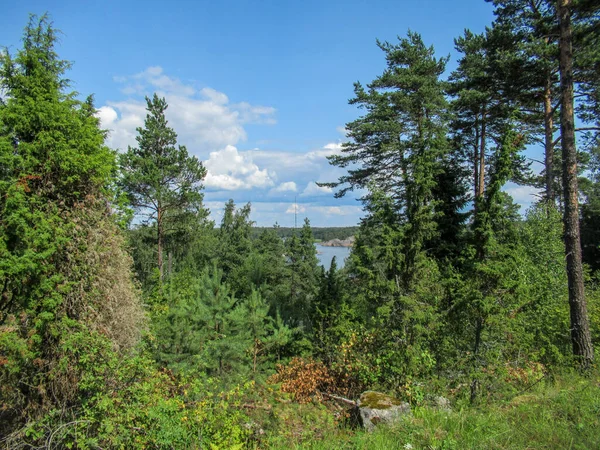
348,242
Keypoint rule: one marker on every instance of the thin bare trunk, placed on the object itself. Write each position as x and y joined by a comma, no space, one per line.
476,160
549,139
580,330
159,231
481,188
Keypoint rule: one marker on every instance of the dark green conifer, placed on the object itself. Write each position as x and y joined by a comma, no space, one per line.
57,281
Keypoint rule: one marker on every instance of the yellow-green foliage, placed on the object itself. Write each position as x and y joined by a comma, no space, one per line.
593,298
129,403
293,425
154,409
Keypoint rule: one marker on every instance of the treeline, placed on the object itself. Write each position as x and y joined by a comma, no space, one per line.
168,331
319,233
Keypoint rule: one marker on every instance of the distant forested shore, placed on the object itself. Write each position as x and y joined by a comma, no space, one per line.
319,233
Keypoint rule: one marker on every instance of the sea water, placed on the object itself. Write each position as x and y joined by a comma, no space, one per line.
325,254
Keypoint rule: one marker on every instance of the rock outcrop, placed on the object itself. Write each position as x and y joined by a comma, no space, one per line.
375,408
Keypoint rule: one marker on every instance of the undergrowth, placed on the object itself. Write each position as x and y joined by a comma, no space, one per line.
563,413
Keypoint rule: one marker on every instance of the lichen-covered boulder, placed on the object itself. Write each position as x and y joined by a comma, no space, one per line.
375,407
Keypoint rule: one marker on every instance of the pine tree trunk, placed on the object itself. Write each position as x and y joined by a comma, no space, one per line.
548,140
159,218
481,188
476,161
580,331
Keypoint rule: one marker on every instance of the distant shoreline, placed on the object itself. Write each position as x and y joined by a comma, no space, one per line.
338,242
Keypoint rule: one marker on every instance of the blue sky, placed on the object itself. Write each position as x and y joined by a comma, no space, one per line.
257,89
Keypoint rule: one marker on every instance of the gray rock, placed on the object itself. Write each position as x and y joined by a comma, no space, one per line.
442,403
375,408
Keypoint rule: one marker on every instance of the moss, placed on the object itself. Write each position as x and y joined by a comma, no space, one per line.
377,400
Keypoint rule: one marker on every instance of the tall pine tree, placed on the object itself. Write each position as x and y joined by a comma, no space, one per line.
160,178
398,146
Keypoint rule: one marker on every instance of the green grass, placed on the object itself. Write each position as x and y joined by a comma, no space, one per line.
561,414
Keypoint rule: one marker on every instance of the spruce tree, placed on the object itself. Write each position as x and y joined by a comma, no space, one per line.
265,270
326,308
234,237
303,266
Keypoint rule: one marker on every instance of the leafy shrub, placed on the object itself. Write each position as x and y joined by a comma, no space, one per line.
305,379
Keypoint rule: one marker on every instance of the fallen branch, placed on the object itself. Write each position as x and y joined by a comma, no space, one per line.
340,399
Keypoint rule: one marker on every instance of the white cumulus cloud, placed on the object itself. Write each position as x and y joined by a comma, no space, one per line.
215,96
204,119
122,119
333,148
228,169
295,208
288,186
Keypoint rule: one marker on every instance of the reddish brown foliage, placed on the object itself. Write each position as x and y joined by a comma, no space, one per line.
306,379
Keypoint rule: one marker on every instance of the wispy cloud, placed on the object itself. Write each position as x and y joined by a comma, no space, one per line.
523,195
295,208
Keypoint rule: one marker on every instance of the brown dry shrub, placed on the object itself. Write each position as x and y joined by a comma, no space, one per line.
306,379
106,296
118,299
